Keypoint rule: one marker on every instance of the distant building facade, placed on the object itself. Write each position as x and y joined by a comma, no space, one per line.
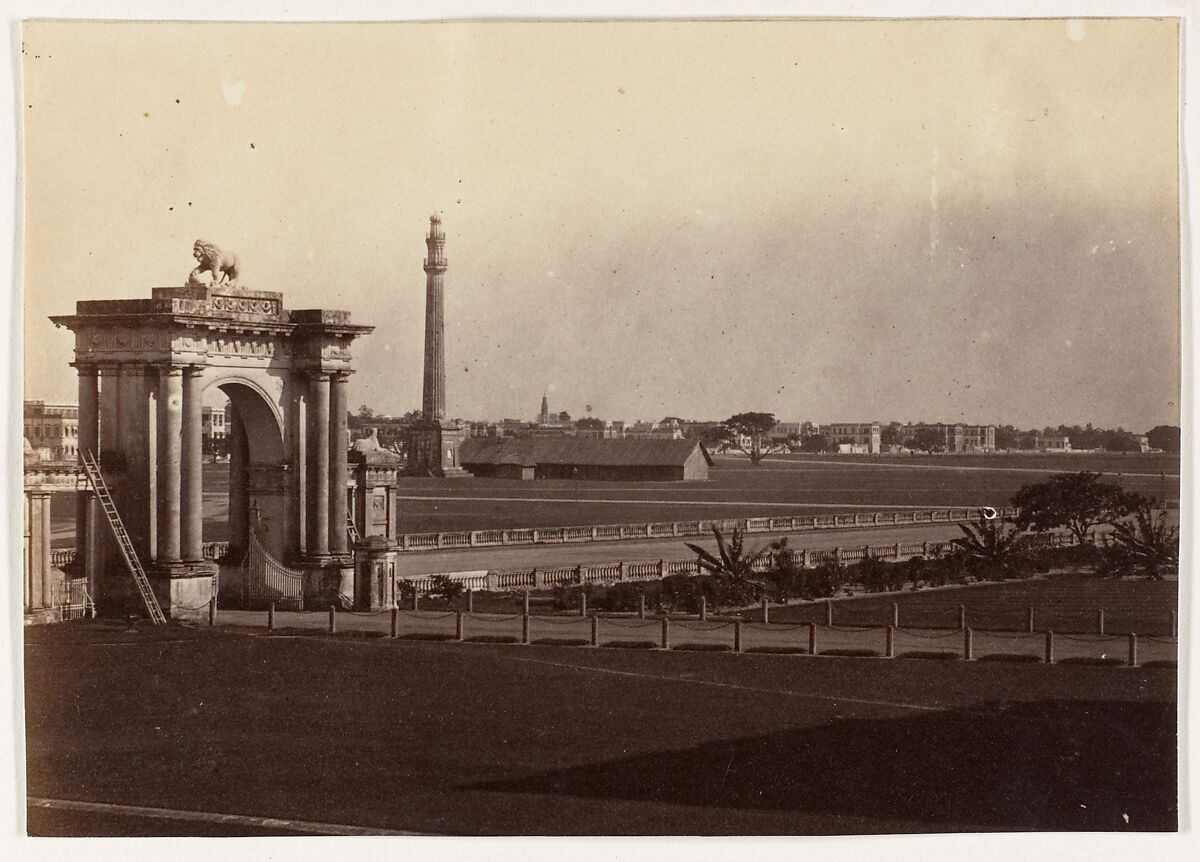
52,430
1052,443
858,438
629,459
213,430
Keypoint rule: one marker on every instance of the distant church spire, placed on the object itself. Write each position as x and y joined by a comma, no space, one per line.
544,416
433,401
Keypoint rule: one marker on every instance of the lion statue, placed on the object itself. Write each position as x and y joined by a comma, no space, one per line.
222,265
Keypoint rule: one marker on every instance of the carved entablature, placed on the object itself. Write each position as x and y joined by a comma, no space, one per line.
241,305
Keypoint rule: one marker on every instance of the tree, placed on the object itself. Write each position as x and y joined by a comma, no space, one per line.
590,423
564,416
1077,501
365,412
816,443
755,426
1144,544
991,545
927,440
1165,437
889,435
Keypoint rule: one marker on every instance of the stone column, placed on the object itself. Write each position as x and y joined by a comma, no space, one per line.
135,499
238,500
170,430
88,441
192,477
43,574
110,409
338,476
319,442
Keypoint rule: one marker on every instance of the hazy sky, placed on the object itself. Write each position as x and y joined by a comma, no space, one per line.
950,220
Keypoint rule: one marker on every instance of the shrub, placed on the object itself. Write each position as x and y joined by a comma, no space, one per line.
442,587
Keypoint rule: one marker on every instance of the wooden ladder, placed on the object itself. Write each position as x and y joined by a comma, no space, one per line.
100,488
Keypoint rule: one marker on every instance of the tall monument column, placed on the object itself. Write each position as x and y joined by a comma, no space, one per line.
435,442
88,441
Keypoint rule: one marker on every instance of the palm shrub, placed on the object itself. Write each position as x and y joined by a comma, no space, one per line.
1144,544
731,577
442,587
991,548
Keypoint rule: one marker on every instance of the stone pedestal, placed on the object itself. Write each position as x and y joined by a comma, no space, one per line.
183,589
375,574
434,450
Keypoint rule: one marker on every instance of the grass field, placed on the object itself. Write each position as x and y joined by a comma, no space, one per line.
488,739
781,485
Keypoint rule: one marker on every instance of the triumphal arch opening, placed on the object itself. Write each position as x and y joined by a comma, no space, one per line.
143,367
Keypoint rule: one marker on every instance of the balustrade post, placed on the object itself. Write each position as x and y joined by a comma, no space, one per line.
621,570
925,550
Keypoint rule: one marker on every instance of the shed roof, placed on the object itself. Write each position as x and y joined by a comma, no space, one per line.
589,451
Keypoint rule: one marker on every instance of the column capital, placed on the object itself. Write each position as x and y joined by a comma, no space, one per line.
108,366
193,370
134,369
317,375
85,368
169,369
340,376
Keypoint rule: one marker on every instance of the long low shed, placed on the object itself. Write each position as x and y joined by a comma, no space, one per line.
586,458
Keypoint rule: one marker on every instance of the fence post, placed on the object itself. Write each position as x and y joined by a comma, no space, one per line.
962,617
470,601
666,633
212,611
593,534
395,620
271,617
890,644
897,550
595,631
1133,658
1029,619
837,555
925,550
1100,621
968,645
458,625
332,618
662,569
896,614
828,613
642,605
866,553
804,559
812,638
1174,624
766,611
737,636
579,574
526,611
1049,647
703,609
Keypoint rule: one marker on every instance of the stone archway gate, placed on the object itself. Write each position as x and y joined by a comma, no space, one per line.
143,364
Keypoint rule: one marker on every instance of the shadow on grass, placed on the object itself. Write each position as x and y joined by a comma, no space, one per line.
1049,765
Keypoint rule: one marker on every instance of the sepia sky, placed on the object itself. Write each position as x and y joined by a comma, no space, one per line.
938,220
